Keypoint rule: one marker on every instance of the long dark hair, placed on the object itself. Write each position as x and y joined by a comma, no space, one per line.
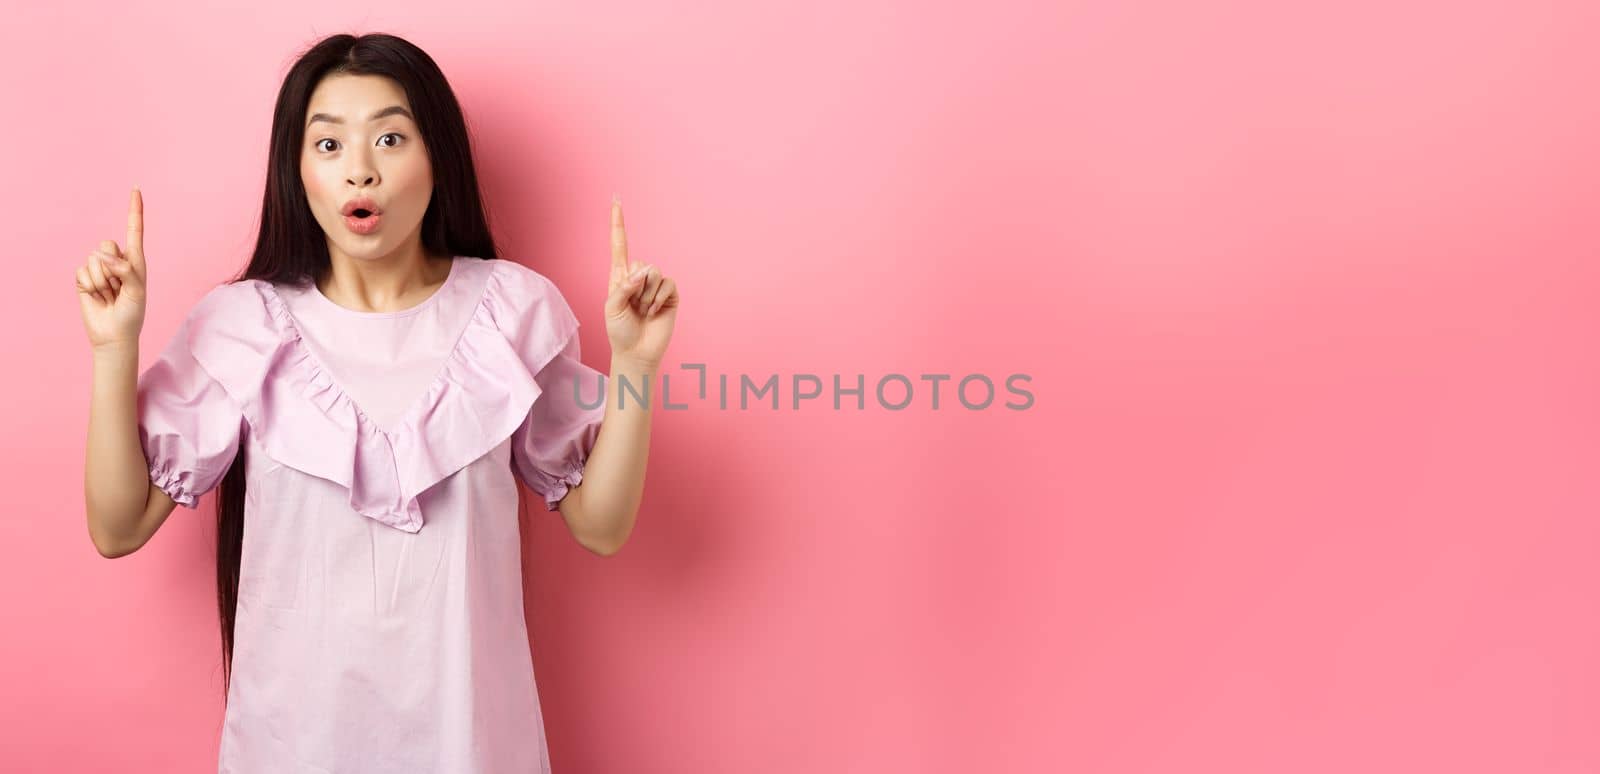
292,247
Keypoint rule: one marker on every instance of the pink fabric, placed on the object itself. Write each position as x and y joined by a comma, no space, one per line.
380,623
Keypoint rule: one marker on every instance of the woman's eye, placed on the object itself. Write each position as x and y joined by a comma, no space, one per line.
396,135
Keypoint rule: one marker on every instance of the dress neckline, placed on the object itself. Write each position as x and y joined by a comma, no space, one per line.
449,278
321,374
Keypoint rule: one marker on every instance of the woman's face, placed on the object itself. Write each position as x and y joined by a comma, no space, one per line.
361,143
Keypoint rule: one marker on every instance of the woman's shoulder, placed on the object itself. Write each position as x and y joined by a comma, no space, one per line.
529,313
520,282
228,297
522,301
238,308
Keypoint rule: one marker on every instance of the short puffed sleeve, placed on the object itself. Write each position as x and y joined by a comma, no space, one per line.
552,444
188,425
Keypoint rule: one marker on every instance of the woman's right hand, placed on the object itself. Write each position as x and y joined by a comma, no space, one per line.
111,285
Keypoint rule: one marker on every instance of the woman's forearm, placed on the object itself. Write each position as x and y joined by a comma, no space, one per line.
116,480
613,476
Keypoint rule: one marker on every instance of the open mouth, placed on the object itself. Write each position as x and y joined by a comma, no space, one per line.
360,208
363,221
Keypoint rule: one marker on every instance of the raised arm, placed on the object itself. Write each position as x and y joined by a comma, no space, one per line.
641,310
122,504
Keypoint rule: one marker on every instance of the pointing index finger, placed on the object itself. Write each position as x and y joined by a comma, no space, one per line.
136,225
619,239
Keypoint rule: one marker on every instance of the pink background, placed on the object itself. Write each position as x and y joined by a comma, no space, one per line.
1307,295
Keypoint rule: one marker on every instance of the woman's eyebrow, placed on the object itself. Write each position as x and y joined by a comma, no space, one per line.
388,111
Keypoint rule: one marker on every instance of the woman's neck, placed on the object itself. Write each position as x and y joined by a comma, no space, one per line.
382,284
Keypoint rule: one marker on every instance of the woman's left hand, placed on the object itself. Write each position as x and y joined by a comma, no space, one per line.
641,303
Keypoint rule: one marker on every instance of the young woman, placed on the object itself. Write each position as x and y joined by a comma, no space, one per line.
365,398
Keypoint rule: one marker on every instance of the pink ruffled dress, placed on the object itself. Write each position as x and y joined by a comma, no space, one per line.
380,624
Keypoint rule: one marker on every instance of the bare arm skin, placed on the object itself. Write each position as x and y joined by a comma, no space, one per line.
600,511
124,507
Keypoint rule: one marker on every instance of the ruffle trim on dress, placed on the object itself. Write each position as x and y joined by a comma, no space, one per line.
303,419
176,483
557,486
